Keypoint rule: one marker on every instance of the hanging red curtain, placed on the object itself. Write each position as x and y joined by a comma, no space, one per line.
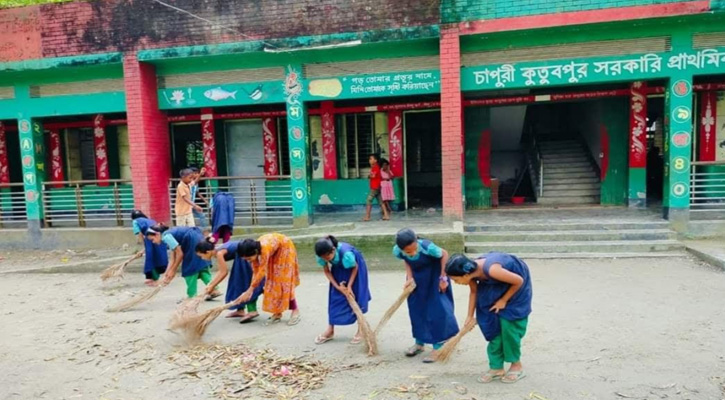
4,169
269,137
395,142
708,126
208,141
638,125
56,159
99,140
329,146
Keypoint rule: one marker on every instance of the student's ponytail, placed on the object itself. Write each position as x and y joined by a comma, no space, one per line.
158,228
206,245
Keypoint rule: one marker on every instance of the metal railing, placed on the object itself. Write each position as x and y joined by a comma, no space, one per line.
707,187
86,203
12,205
258,200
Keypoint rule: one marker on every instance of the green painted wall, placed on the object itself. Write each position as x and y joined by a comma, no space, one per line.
477,120
345,192
615,118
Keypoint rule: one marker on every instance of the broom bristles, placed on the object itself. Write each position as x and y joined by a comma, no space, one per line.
136,300
194,326
393,308
450,346
188,308
367,332
116,270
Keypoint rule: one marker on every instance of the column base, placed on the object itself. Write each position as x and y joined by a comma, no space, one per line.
302,221
637,203
34,233
679,218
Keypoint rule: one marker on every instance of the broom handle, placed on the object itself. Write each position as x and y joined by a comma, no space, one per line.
399,302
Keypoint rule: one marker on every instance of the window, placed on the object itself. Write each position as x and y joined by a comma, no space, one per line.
358,142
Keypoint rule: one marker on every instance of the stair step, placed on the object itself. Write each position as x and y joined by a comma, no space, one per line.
568,159
571,186
570,192
569,175
618,246
578,168
568,226
560,147
571,236
558,163
567,200
570,181
559,256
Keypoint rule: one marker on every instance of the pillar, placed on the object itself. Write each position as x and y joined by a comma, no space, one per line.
101,150
209,142
678,144
395,142
638,145
57,174
708,126
298,146
149,141
452,124
32,153
329,145
4,167
269,137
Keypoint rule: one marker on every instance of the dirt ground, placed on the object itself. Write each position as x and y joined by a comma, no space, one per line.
600,329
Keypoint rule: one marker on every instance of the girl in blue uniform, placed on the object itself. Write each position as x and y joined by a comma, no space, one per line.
347,271
501,296
156,257
182,240
239,278
431,304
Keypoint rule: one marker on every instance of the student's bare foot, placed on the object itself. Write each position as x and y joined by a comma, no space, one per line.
236,314
514,374
150,283
366,219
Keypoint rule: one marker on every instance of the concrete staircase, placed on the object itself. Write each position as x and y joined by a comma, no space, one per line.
569,176
547,240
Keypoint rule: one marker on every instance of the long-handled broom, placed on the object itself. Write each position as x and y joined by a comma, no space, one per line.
136,300
116,270
367,333
393,308
450,346
194,326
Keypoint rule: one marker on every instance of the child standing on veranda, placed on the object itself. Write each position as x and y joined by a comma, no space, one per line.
375,181
386,186
196,175
501,295
184,204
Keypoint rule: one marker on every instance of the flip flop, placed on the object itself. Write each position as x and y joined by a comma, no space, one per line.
429,360
272,321
356,340
248,318
488,377
413,351
320,339
516,376
235,314
294,320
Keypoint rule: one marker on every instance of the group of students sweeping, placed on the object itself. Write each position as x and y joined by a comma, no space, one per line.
499,301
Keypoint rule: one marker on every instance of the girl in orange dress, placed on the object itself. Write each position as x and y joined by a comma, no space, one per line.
275,256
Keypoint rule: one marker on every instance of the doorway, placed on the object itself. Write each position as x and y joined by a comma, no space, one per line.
424,186
245,158
655,149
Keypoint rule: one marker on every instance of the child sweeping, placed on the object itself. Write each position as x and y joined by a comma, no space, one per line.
501,295
431,304
239,278
347,271
156,257
386,186
222,216
275,256
182,241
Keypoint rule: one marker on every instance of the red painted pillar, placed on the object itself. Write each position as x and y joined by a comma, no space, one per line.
149,142
56,159
209,142
4,169
395,142
452,123
101,150
269,136
329,146
708,126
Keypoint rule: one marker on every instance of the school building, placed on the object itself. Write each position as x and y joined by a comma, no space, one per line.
475,103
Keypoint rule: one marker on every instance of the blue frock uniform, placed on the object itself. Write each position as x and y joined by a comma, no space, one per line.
490,290
187,237
222,211
240,276
346,258
156,257
431,312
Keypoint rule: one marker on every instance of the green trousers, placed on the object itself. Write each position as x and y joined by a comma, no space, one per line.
506,347
204,275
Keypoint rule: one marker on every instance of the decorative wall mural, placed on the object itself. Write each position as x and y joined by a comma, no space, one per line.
214,95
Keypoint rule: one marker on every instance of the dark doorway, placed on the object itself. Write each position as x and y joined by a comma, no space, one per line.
423,159
188,149
655,148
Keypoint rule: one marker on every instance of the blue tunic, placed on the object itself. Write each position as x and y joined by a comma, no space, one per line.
156,256
338,309
490,290
240,276
431,312
222,211
188,237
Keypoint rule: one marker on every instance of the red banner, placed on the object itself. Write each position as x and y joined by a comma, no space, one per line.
329,147
56,159
708,126
395,142
4,169
638,125
269,137
484,157
99,140
208,142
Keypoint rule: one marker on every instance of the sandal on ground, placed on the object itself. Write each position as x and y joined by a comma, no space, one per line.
236,314
248,318
320,339
413,351
513,376
489,377
356,339
272,321
294,320
429,359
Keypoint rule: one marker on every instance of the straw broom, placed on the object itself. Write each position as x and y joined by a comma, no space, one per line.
136,300
388,314
365,330
116,270
188,308
451,344
194,326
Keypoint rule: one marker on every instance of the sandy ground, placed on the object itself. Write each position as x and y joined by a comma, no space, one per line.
645,329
